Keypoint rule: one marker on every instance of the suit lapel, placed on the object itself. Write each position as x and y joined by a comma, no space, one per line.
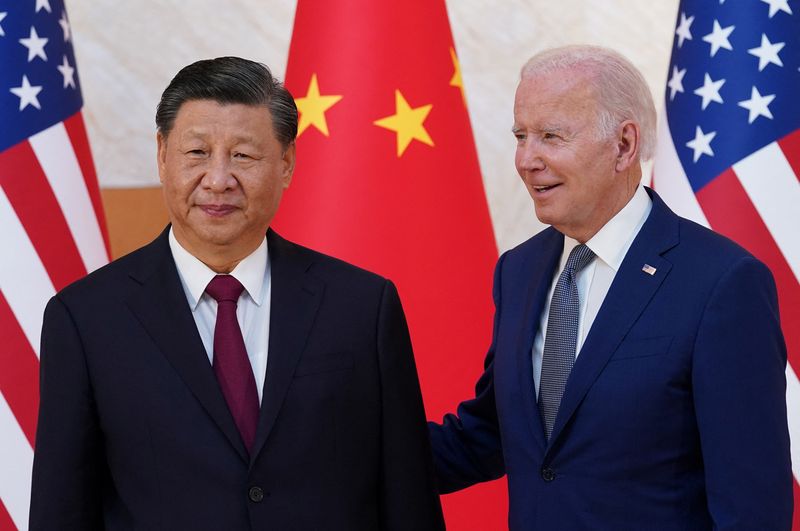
539,270
160,305
296,296
629,294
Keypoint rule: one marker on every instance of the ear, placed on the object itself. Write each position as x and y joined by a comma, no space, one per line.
161,155
289,156
627,145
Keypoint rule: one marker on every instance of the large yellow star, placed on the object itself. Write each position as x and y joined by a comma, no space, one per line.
407,123
456,80
312,108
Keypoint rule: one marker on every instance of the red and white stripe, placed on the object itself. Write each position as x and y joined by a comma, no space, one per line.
53,233
756,203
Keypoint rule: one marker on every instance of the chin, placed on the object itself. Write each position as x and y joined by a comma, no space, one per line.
217,235
545,215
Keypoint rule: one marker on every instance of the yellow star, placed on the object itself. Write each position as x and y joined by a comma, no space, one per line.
407,123
456,80
312,108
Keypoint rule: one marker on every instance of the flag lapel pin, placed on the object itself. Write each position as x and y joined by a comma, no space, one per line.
650,270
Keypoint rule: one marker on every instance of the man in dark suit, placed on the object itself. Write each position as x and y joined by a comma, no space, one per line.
221,377
635,378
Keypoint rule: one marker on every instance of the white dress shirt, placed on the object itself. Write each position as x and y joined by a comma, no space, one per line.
252,310
610,245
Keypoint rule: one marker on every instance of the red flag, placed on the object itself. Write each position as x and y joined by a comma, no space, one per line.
52,229
388,178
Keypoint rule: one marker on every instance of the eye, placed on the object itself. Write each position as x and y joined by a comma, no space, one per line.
196,152
549,136
241,156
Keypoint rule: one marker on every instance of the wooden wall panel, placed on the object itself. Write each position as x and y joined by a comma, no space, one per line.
135,216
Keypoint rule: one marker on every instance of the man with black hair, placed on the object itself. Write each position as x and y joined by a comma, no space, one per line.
222,377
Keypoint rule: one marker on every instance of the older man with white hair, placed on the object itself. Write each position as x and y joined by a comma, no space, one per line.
635,378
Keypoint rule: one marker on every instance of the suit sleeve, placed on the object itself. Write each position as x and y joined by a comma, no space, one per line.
408,495
466,446
68,461
739,384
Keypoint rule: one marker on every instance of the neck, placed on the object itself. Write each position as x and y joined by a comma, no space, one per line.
614,205
221,259
220,264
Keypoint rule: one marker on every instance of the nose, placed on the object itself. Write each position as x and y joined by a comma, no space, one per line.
528,158
219,176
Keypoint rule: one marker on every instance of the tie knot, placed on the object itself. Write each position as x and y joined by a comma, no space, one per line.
579,258
224,288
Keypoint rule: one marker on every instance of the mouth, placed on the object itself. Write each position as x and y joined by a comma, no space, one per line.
541,190
217,211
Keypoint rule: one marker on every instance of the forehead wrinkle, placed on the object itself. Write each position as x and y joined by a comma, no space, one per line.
567,108
194,132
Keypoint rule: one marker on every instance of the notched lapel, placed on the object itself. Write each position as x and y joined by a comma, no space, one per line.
542,268
627,298
160,305
296,295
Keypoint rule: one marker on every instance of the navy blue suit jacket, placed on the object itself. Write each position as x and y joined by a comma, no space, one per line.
674,415
134,432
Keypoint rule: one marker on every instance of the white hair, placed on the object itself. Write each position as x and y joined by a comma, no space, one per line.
622,92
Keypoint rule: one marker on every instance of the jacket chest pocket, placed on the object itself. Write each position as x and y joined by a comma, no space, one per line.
642,348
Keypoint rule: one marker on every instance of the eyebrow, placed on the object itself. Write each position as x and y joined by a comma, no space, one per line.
545,129
552,129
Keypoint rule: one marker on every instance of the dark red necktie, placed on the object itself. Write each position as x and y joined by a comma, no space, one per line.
231,364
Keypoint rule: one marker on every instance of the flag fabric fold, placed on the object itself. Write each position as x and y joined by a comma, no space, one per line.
53,229
388,178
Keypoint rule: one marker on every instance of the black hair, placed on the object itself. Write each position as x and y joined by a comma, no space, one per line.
230,80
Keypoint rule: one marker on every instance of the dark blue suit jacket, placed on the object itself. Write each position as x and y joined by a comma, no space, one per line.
674,415
134,432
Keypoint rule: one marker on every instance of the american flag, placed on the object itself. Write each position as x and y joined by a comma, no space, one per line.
52,230
729,150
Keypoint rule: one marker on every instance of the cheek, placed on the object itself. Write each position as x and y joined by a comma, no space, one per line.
179,190
263,191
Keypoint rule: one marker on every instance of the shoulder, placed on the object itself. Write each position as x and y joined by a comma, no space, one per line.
115,277
536,248
326,267
719,263
703,262
689,243
705,249
694,235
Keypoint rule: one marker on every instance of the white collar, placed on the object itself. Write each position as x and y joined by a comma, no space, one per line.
611,243
196,275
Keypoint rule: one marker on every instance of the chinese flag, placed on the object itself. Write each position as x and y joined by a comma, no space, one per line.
387,178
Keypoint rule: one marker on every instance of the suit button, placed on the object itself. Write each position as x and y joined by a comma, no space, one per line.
548,474
256,494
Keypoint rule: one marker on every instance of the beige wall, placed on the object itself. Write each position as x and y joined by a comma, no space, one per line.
128,51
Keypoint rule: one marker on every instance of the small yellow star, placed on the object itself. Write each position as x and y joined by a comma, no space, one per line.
312,108
456,80
407,123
